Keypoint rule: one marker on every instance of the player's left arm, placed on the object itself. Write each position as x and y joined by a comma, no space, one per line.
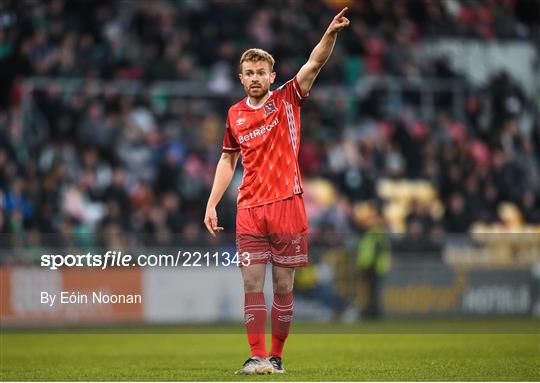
320,54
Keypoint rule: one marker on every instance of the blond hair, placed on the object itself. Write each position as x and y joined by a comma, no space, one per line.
257,54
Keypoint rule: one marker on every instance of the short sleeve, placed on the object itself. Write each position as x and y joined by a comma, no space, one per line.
229,142
291,92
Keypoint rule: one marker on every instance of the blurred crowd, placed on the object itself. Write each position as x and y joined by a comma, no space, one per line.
101,159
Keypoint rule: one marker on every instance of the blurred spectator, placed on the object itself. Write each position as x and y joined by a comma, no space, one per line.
373,261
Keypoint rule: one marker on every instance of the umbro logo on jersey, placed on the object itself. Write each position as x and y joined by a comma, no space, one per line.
240,121
269,107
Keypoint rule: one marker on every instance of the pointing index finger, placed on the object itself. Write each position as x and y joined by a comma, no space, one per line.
342,12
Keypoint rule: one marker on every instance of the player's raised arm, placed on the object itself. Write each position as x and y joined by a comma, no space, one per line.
224,173
321,52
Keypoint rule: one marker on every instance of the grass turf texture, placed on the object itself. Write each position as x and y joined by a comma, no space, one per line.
404,350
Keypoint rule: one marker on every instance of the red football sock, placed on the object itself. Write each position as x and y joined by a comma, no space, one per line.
282,314
255,321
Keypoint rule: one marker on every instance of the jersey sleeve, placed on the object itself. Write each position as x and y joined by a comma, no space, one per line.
291,92
229,142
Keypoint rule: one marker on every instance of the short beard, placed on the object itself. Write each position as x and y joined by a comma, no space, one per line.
257,94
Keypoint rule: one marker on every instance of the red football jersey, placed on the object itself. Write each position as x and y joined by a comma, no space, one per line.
268,138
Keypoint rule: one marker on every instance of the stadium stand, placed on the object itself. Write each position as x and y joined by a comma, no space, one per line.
93,139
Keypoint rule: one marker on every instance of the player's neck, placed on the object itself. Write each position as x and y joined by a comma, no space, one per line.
257,102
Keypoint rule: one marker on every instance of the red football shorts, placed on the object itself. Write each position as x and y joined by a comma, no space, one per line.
275,232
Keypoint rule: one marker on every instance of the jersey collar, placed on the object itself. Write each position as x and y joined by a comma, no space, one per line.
248,103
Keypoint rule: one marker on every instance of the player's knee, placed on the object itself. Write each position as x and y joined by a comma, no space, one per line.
283,286
253,284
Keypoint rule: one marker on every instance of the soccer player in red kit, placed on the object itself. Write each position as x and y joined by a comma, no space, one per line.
271,224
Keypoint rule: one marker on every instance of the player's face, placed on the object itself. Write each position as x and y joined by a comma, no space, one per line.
256,78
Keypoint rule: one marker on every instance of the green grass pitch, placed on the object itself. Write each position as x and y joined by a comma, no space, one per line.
391,350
